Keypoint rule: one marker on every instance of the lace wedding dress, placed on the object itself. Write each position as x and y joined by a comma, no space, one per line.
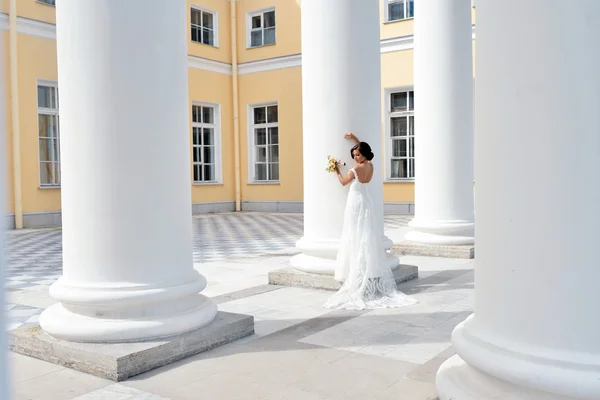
367,282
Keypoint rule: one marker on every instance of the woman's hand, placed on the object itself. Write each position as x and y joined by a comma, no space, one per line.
351,136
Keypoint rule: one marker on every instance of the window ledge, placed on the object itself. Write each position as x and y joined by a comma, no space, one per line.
204,44
211,183
405,180
261,46
264,183
398,20
49,187
46,4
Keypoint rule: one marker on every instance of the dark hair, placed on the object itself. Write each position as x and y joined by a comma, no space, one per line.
364,149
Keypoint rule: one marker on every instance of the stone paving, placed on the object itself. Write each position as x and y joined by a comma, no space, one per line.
300,350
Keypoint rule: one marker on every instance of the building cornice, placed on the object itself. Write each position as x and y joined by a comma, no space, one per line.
30,27
209,65
401,43
270,64
46,30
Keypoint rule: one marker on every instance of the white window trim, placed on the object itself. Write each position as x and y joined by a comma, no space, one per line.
250,136
386,16
249,16
388,139
215,25
218,148
44,3
54,84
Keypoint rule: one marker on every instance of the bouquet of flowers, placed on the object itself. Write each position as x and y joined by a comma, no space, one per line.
332,163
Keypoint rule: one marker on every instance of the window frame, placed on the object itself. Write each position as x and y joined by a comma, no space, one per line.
45,2
249,29
52,112
215,14
388,148
386,11
252,145
217,140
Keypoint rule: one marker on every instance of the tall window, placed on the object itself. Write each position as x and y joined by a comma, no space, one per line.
397,10
49,137
401,136
261,28
265,143
205,143
204,26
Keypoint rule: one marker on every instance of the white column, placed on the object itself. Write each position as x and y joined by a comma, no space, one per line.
340,92
444,124
126,188
4,152
535,333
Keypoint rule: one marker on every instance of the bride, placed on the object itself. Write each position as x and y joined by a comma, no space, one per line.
367,282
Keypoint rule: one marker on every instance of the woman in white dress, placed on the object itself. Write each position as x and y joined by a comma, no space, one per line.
367,282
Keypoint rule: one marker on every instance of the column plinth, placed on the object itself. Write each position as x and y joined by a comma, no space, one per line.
453,233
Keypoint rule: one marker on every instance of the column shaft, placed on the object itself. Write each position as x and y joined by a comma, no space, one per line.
537,161
444,124
4,152
126,201
341,86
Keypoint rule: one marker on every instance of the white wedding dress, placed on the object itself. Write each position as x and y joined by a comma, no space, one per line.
367,282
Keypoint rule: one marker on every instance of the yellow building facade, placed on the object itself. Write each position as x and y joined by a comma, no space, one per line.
245,98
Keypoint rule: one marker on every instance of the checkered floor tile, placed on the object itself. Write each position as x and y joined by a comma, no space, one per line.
35,255
18,315
221,236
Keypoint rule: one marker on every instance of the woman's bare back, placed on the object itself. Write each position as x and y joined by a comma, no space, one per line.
364,172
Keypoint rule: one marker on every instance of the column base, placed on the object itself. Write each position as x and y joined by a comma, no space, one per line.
292,277
515,368
318,257
434,250
326,266
117,361
445,233
119,314
457,380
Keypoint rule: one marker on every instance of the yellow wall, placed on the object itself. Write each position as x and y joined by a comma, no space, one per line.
287,29
266,87
7,158
221,53
211,87
31,9
37,60
396,71
396,28
403,27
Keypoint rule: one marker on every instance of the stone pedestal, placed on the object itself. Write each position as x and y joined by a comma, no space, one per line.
407,248
535,332
444,120
121,361
292,277
340,93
